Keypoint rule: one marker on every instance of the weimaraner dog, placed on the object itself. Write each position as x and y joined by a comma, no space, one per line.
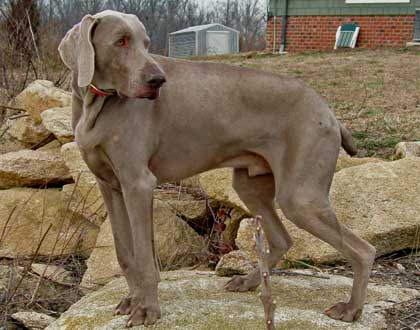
141,120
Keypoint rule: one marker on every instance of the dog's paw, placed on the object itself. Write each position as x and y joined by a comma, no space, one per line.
344,312
124,307
141,315
243,283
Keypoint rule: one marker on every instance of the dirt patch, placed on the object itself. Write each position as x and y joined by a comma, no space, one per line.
374,92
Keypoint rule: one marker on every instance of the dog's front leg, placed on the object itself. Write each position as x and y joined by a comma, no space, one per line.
137,191
121,230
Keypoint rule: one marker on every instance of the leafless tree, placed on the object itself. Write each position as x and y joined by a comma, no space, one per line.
246,16
22,20
26,25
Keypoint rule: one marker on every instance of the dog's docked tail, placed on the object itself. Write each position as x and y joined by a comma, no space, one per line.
347,141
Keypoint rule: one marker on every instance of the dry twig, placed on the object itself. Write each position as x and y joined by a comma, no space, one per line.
17,117
294,273
5,106
28,267
265,295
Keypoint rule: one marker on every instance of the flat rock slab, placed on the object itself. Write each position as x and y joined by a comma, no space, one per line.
197,301
54,273
85,196
25,215
234,263
39,96
29,168
407,149
26,130
32,320
58,122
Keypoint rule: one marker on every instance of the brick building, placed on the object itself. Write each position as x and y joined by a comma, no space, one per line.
312,24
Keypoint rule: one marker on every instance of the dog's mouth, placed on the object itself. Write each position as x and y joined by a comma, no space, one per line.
154,93
150,92
146,93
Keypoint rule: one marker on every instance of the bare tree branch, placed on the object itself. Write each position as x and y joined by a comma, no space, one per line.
265,295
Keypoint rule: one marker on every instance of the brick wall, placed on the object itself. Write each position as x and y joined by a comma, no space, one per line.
306,33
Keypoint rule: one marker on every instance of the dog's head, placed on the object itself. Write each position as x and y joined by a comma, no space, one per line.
110,51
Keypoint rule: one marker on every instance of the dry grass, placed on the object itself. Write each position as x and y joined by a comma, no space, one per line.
25,290
376,93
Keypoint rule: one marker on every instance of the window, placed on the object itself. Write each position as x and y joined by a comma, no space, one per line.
377,1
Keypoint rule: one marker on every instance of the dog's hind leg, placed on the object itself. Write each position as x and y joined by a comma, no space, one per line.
306,210
305,174
258,195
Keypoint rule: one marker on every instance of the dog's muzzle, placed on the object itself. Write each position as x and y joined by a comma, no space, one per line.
152,88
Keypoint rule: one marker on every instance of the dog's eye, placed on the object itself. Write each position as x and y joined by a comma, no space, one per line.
123,42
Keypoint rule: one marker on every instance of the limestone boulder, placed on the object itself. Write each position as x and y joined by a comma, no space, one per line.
192,182
407,149
53,145
39,96
217,184
84,196
26,130
193,209
9,144
193,300
33,320
32,168
380,201
57,274
177,245
170,192
26,214
232,223
345,161
234,263
245,240
58,122
87,203
102,265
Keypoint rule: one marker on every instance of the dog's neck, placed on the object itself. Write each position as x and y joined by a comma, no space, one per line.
85,113
92,106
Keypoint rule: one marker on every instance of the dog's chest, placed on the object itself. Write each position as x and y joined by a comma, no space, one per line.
98,163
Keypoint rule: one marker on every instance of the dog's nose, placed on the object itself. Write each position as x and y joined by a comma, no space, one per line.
157,81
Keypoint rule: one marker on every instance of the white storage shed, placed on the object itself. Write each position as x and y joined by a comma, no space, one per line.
203,40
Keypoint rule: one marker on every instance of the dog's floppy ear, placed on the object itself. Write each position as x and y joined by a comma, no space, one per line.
86,51
77,52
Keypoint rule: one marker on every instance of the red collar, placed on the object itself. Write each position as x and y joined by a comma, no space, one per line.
101,92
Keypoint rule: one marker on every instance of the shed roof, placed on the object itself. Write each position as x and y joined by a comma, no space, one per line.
198,28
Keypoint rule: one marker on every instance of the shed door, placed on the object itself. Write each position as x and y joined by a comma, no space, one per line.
218,42
417,26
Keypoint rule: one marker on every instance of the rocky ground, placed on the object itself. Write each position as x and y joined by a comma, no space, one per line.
400,269
56,244
196,300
